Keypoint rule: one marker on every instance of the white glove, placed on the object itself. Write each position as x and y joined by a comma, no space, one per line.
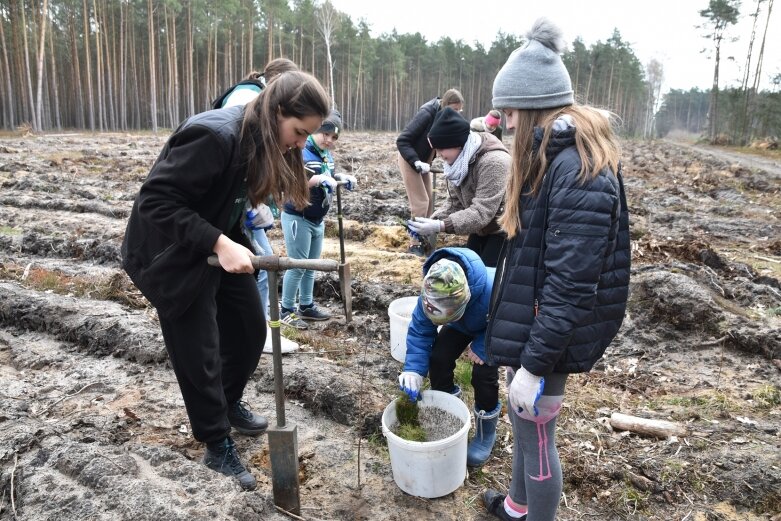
425,225
525,390
410,382
259,218
422,168
351,183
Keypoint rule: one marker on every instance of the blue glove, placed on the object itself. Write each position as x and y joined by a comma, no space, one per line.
351,181
259,218
328,184
410,382
425,226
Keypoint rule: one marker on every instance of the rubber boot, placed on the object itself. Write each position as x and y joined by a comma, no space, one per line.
479,449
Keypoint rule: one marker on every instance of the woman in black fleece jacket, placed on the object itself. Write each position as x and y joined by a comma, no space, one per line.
189,207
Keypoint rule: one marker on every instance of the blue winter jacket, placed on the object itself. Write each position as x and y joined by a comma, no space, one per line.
580,283
316,162
422,331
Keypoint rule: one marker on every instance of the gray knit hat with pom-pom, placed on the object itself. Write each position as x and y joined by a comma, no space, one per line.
534,77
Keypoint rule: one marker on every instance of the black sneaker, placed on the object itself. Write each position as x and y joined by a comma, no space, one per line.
245,421
494,503
223,458
290,319
313,313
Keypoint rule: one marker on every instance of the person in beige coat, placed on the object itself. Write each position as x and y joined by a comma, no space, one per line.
476,168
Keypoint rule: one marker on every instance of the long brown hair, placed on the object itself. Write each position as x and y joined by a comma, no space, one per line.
270,172
595,141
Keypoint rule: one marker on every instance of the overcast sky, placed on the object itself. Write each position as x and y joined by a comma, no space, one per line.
661,29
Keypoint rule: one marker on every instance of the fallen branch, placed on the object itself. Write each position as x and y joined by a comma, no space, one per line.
656,428
767,259
716,342
65,398
13,470
291,514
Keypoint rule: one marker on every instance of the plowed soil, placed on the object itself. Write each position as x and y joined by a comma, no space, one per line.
92,424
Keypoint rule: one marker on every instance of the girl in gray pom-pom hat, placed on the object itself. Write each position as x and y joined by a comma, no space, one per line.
561,289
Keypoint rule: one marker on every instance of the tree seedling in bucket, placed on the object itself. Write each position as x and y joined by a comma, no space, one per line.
407,415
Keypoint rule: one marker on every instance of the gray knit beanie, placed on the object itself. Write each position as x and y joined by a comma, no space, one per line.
332,124
534,77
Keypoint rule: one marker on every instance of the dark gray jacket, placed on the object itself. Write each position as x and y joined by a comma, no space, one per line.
413,142
580,281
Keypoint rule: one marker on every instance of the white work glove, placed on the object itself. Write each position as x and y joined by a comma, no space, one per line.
525,390
259,218
410,382
422,168
351,183
425,225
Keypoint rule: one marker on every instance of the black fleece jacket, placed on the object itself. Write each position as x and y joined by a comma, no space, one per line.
183,206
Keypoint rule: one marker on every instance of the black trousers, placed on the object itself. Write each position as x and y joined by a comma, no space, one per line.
448,346
488,247
214,348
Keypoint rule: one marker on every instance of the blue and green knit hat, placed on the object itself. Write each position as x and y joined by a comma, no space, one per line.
445,292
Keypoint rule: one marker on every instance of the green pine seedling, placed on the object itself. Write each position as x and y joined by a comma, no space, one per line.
411,432
406,410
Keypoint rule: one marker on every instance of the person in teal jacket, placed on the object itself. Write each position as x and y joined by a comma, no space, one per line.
456,294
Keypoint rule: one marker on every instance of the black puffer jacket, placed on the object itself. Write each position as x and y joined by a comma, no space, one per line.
413,142
582,276
189,198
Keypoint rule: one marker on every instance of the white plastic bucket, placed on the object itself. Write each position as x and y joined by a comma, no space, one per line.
429,468
400,313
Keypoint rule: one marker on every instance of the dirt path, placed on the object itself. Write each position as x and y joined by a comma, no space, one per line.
772,166
92,425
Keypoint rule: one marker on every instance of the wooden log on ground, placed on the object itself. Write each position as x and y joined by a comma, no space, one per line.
656,428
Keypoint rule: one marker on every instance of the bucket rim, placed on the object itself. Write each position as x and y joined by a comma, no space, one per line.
412,301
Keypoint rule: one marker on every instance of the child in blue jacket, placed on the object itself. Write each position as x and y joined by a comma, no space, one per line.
456,294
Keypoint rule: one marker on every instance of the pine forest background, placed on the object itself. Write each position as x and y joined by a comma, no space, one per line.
144,64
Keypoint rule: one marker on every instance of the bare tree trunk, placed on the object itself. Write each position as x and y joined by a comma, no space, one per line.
190,50
326,23
714,96
8,99
123,29
38,125
746,74
99,68
152,65
135,65
88,66
54,81
251,36
109,43
29,85
76,73
270,36
760,59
